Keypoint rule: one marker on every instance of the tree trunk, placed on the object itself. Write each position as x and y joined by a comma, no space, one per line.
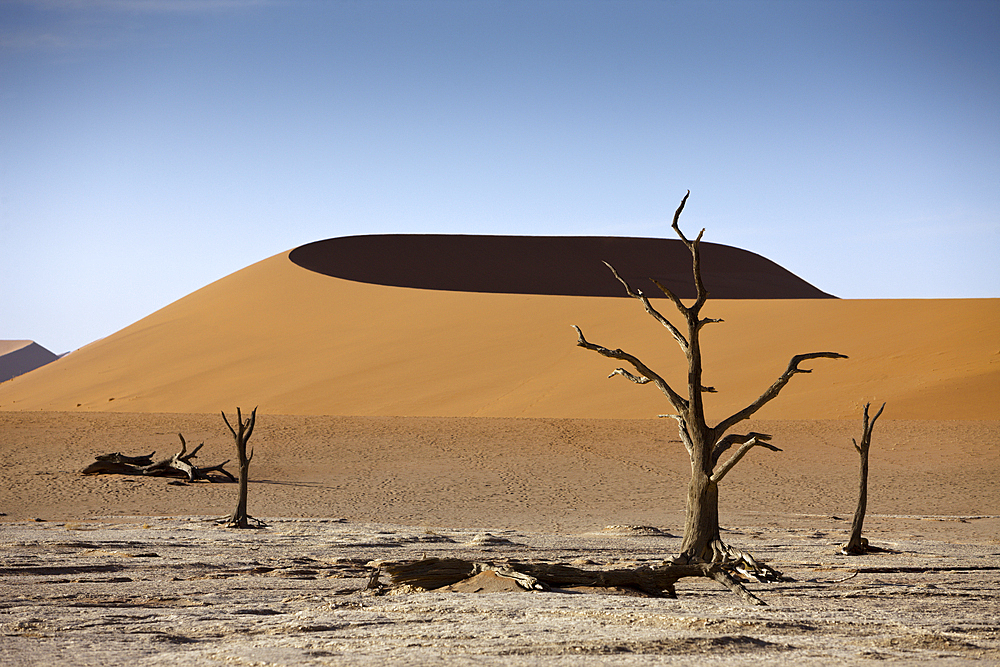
240,518
856,544
701,524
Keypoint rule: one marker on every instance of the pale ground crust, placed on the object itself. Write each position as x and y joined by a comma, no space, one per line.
183,591
121,570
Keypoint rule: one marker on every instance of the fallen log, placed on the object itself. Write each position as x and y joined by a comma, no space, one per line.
657,581
128,460
178,465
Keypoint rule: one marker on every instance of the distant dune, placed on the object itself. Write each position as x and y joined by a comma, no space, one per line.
301,341
17,357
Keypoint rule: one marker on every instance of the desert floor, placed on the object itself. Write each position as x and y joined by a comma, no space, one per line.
115,569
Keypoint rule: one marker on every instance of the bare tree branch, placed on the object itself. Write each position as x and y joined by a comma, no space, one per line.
670,295
694,247
251,422
772,391
680,304
735,458
677,217
226,419
638,294
682,429
733,438
219,468
727,580
678,401
127,460
194,451
634,378
866,430
698,282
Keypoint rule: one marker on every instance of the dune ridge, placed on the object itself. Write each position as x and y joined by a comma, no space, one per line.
294,341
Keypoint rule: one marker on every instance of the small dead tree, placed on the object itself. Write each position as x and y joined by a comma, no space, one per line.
857,545
705,444
239,518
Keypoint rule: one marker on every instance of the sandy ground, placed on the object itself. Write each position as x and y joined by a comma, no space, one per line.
119,569
550,475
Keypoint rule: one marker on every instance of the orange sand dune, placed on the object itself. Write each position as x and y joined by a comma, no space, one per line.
17,357
294,341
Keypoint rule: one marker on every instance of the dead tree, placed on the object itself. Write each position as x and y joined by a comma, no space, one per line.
857,545
705,444
239,518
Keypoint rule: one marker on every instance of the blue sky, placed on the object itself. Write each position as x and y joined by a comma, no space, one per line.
150,147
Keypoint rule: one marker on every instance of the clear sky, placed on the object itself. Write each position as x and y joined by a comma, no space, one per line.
150,147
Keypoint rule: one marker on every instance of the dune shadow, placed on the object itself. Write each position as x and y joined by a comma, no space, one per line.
550,265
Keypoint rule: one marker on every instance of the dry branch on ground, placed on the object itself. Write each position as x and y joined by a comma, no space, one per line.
657,581
178,465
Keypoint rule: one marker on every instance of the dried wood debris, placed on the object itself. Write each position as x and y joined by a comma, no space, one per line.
178,465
